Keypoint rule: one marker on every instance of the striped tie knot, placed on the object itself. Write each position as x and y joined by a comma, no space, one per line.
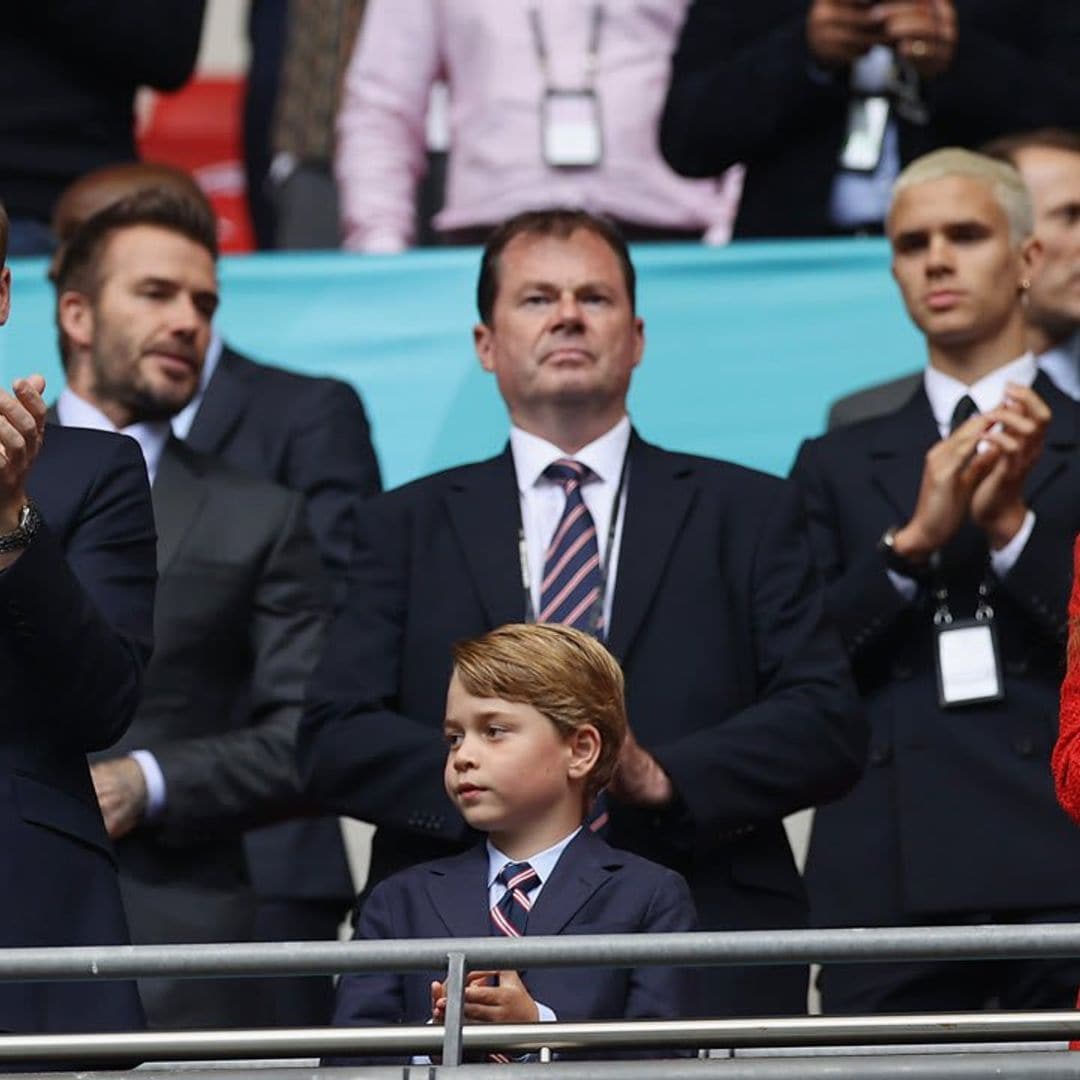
510,915
568,473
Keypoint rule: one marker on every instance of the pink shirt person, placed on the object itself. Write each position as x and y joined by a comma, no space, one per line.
486,51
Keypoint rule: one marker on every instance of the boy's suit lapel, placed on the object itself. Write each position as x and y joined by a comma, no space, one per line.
458,892
584,867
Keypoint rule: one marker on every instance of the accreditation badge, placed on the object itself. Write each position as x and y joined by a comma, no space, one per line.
570,130
968,663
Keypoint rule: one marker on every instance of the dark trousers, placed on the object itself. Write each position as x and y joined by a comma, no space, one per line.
302,1000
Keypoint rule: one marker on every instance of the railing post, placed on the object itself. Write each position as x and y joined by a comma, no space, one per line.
455,1008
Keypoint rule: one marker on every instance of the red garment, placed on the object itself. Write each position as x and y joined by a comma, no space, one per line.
1065,760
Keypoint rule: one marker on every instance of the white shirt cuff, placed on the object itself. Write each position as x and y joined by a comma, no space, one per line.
1001,562
155,783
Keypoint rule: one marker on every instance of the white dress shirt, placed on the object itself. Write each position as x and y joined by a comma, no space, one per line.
988,393
151,436
543,500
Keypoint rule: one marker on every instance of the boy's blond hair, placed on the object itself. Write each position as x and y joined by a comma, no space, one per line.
561,672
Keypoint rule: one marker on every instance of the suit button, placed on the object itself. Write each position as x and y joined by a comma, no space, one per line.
879,755
1024,745
901,671
1018,666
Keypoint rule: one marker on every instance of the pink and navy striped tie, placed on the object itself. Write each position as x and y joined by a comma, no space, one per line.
511,914
570,590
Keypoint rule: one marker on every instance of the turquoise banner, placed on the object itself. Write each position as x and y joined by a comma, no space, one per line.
746,345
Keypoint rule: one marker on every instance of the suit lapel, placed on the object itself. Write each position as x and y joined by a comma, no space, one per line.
226,396
582,869
484,510
458,891
178,497
1061,437
898,452
660,488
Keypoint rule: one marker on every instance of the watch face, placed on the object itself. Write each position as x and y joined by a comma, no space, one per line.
29,519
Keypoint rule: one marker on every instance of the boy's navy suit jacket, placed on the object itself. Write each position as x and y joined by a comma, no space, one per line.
594,889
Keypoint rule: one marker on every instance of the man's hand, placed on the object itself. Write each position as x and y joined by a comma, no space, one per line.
923,32
838,32
507,1002
1019,432
121,793
22,428
952,471
639,779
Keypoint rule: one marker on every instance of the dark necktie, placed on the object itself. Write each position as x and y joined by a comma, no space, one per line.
965,409
570,590
511,914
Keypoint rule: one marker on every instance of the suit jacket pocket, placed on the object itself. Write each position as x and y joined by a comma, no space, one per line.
42,804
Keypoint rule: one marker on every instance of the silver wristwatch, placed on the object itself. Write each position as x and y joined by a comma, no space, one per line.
29,521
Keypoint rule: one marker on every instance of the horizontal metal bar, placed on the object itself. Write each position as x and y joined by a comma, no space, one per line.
803,1031
497,953
1057,1066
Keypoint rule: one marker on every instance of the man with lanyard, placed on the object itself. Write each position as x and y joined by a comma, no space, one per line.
697,574
824,101
552,104
1049,162
945,533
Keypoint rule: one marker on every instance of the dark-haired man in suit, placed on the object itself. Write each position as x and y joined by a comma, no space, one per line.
240,605
76,608
945,533
697,574
310,435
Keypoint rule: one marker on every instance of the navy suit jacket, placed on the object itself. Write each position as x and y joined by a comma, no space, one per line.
956,811
593,889
76,612
735,680
742,89
310,435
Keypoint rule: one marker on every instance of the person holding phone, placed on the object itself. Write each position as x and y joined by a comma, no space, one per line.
825,101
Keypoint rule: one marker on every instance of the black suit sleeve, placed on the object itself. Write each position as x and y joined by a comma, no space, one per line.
861,598
360,754
803,740
78,609
740,84
1041,579
998,83
332,463
248,775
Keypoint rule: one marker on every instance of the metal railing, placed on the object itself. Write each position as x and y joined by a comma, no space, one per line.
456,955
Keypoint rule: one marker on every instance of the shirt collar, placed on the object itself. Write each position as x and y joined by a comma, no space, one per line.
151,435
945,392
183,420
1062,364
543,862
604,456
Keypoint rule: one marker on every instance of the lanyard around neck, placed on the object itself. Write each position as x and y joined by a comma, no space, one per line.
592,53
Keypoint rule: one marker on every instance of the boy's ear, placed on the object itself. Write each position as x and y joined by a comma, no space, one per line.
584,744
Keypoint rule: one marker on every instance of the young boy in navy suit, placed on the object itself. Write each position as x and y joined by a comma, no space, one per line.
535,718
